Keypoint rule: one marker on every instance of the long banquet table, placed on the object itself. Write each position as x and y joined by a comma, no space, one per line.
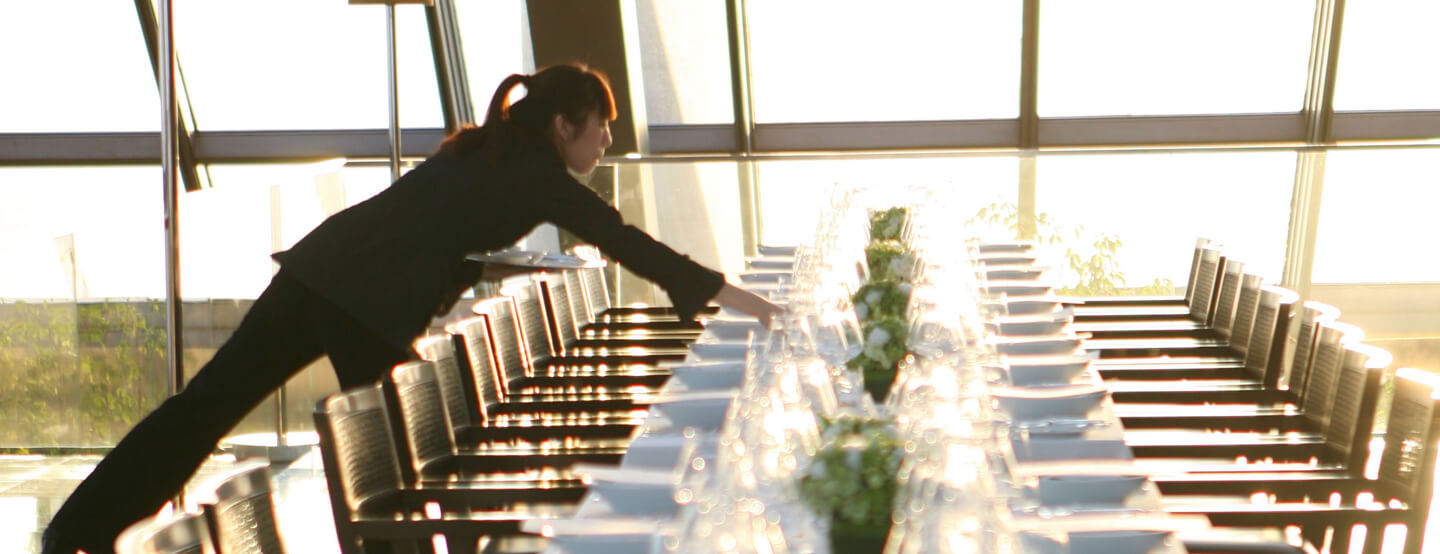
1059,477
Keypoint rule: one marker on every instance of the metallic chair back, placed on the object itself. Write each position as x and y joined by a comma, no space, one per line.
1200,244
1223,316
182,534
557,290
1312,313
596,294
1207,278
511,359
579,305
428,432
534,325
243,515
1266,351
1352,413
1245,306
440,351
355,445
1330,340
1407,465
475,333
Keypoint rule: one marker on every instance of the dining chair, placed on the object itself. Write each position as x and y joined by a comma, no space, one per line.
478,411
521,375
1401,492
430,454
242,517
369,501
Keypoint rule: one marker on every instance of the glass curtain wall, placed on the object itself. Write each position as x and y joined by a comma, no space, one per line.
82,273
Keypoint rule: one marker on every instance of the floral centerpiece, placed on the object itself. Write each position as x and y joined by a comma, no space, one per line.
881,301
852,478
887,224
889,260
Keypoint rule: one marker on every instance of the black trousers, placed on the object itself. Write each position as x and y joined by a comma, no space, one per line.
287,328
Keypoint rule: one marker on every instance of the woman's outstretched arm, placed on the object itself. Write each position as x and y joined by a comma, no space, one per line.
749,303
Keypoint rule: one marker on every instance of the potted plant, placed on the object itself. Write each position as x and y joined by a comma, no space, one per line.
852,479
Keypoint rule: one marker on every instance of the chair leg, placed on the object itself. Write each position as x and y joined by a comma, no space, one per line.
1340,540
1375,536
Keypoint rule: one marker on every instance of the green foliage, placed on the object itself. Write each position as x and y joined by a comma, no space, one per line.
852,477
76,375
1096,270
884,345
887,224
889,260
879,299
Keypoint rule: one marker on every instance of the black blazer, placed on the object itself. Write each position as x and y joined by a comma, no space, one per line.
396,259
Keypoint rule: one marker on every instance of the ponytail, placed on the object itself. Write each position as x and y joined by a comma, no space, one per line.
571,91
500,102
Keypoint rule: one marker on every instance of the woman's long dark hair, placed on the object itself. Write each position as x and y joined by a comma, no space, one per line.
573,91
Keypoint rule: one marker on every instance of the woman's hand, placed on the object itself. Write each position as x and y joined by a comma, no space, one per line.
749,303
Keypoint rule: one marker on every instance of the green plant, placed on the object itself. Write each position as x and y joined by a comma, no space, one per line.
889,260
77,374
1094,271
878,299
887,224
852,477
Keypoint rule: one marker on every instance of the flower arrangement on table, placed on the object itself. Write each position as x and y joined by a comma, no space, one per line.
852,478
881,301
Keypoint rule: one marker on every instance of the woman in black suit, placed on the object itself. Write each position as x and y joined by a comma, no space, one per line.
367,281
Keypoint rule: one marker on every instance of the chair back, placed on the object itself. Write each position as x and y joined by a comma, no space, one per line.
1312,313
1330,340
1245,306
1352,414
1265,354
1223,316
1407,466
596,294
243,516
357,452
1200,244
534,325
181,534
428,432
579,306
1206,280
475,333
511,360
556,290
440,351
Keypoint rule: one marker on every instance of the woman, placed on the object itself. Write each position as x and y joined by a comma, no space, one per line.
366,282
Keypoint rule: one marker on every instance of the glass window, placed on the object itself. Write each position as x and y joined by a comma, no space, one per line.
303,64
75,66
850,60
1154,206
81,257
792,193
1377,217
1387,55
685,49
1139,57
496,41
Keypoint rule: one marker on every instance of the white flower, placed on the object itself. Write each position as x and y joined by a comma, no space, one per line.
878,337
873,297
862,311
818,470
852,458
904,288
